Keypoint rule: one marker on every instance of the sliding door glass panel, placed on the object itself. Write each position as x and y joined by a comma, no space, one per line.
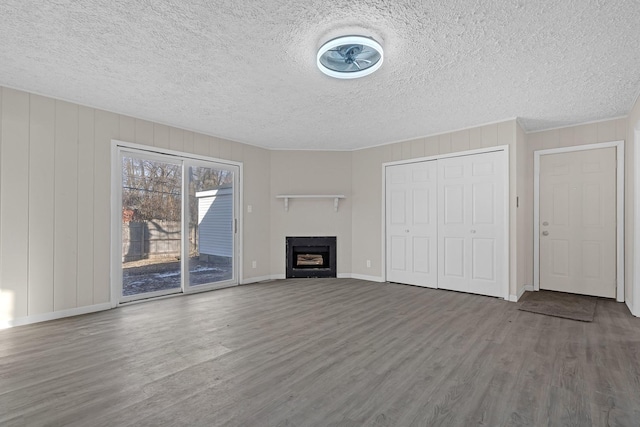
151,226
211,224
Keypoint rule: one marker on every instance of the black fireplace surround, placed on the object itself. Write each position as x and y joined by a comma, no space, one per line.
311,256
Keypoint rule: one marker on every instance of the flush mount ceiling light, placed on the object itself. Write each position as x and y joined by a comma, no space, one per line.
350,57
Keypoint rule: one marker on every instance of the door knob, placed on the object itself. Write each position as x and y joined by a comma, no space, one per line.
545,223
545,233
406,231
473,231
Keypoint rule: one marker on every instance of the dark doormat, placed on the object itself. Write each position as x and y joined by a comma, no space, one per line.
560,304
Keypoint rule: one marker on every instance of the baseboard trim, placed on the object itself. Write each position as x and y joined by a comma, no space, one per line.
529,288
338,276
630,307
516,298
251,280
367,278
45,317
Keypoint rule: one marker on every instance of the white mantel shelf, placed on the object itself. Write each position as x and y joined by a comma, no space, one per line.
286,197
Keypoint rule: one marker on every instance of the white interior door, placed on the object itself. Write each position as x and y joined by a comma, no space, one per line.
578,222
411,226
471,224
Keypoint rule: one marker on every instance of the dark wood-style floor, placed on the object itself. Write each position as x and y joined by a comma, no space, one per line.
323,352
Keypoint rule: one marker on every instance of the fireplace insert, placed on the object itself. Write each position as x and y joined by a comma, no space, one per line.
311,256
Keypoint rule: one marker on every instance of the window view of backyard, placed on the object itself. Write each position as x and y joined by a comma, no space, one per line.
152,231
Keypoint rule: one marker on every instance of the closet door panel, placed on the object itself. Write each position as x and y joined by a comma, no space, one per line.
411,227
453,224
471,197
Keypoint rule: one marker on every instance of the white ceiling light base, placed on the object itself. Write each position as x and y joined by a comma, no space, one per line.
350,57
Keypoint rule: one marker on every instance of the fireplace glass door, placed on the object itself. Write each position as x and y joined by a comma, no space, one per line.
311,256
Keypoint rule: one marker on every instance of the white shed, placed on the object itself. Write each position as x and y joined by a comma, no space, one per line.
215,222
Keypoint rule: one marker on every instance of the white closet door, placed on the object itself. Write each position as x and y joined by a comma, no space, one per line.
411,224
471,249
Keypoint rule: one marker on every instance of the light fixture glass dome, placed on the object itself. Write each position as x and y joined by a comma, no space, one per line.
350,57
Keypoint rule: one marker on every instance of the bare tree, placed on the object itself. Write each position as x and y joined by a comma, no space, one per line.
153,189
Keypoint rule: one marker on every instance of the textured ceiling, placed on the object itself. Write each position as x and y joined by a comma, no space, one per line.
245,70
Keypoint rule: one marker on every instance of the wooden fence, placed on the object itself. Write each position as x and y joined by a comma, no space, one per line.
152,239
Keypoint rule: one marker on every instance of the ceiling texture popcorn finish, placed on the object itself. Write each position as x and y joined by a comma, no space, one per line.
247,71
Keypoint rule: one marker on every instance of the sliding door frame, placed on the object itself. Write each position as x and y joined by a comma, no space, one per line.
186,159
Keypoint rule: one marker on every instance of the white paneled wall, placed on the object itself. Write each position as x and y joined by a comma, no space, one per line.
86,200
14,202
55,202
65,217
41,204
106,128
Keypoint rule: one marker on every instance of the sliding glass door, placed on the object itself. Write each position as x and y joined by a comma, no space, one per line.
178,229
151,225
211,224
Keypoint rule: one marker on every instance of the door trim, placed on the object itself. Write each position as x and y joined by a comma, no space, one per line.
619,145
634,302
507,238
116,199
